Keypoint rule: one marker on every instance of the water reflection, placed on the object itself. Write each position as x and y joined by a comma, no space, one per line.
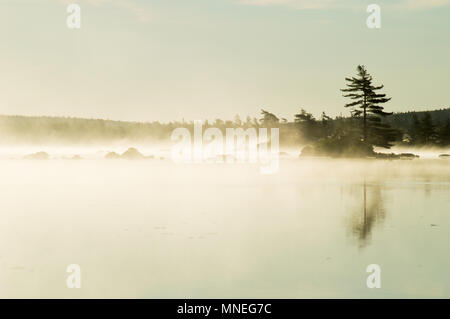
367,214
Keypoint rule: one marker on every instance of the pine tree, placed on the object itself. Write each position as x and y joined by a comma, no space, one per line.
269,119
415,130
444,134
248,121
326,125
237,120
307,124
428,129
367,104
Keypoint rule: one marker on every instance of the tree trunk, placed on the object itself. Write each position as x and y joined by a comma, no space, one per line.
365,120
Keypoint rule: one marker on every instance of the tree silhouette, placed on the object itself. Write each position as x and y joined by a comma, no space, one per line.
307,124
367,103
268,119
326,124
368,213
428,129
237,120
415,130
444,133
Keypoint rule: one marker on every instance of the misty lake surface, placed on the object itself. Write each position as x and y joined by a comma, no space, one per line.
153,229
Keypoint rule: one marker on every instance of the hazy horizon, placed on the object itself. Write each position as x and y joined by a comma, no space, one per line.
290,117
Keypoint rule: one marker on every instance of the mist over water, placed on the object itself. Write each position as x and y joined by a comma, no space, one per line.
151,228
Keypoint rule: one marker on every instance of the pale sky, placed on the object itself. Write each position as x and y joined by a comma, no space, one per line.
148,60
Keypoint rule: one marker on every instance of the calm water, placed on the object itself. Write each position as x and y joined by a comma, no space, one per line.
157,230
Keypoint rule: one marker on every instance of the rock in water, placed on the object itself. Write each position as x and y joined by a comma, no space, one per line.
408,156
132,153
38,156
112,155
444,156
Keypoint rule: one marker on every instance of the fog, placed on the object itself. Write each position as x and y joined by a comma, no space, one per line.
155,229
160,149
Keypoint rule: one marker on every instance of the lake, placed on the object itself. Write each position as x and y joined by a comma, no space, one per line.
153,229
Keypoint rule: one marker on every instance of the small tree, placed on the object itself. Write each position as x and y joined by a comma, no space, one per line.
415,129
268,119
444,134
367,104
307,124
326,125
237,120
248,121
428,129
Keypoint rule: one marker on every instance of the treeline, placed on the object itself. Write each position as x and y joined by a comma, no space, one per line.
425,128
414,128
368,126
27,129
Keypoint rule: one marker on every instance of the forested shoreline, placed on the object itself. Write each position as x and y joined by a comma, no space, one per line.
418,128
367,125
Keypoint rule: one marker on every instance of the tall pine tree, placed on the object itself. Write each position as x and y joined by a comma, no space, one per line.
367,105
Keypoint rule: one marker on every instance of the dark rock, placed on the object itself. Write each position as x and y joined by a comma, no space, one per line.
403,156
408,156
132,153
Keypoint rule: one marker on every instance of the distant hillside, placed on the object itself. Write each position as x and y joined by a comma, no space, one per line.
404,120
78,130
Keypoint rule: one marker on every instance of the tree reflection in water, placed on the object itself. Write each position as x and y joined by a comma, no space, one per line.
367,213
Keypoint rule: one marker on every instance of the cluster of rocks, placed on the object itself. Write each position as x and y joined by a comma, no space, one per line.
131,154
46,156
309,151
404,156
